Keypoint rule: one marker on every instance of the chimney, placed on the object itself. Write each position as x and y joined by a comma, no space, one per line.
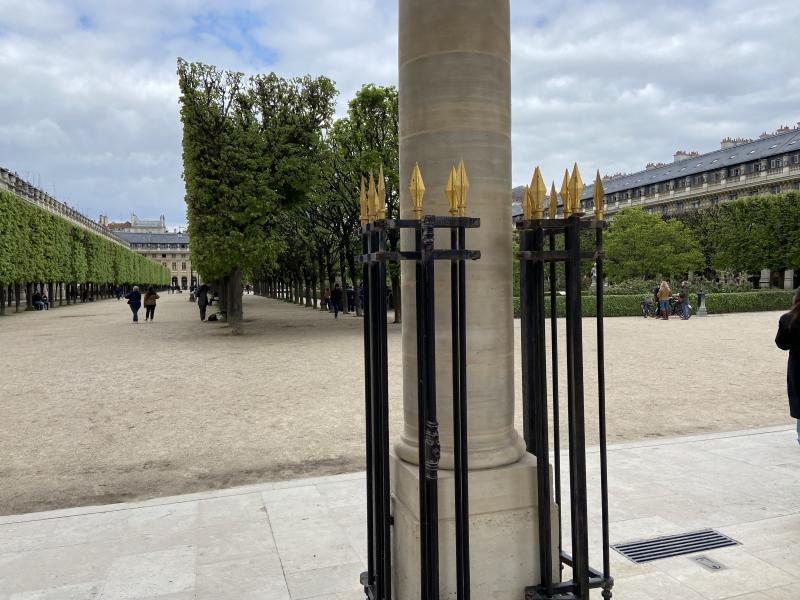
162,223
683,155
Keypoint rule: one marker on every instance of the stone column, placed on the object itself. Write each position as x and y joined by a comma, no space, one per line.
766,279
788,279
455,103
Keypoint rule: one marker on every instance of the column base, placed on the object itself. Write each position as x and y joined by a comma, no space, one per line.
504,536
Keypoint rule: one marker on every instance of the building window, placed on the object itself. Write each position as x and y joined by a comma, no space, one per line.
679,205
174,256
736,171
796,159
164,263
776,163
696,204
734,196
776,189
164,256
174,267
183,266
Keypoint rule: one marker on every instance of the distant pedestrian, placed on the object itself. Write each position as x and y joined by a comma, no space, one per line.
118,292
351,298
202,300
326,299
150,304
664,294
788,338
134,298
336,300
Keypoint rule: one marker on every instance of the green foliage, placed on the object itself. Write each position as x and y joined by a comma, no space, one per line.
629,305
639,244
37,246
250,153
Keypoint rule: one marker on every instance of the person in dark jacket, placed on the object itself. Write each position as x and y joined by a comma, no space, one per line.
336,300
135,302
788,338
202,300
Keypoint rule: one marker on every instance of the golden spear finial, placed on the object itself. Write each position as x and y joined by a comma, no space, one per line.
452,194
380,208
526,203
417,187
599,197
362,197
576,189
566,202
372,198
552,206
536,192
462,186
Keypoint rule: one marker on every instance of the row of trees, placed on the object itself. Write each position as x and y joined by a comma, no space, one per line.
271,178
37,246
743,236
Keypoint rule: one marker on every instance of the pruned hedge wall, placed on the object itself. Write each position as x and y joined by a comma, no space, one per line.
630,305
38,246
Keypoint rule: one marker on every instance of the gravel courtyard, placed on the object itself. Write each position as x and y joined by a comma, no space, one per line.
97,410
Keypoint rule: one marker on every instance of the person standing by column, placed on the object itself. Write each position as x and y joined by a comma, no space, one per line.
135,302
788,338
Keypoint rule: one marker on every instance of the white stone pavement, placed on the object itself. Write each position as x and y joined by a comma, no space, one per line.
306,538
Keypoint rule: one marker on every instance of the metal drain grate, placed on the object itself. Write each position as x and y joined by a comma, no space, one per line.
674,545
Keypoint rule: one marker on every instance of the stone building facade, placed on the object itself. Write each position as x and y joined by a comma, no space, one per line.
169,249
740,168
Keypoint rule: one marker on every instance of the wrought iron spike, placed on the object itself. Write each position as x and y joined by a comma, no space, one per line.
526,203
599,197
462,185
417,187
566,202
576,188
380,207
452,194
552,206
537,192
372,198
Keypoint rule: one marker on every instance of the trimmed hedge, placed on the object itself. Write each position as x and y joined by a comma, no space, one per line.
39,246
630,305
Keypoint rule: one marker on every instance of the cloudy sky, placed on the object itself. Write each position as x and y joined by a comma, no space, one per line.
89,101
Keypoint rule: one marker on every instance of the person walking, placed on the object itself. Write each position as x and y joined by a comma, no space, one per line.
336,300
134,298
326,299
788,338
664,294
202,300
150,304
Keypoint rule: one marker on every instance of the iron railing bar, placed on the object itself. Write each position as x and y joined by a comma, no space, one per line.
556,406
370,573
463,410
601,403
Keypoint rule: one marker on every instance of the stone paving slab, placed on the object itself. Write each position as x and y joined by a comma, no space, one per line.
306,539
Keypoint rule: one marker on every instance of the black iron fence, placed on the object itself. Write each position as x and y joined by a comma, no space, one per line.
536,408
377,578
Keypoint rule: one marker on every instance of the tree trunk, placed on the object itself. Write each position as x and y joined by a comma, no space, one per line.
28,296
351,266
235,302
308,292
51,290
2,300
223,299
16,297
345,308
314,290
320,278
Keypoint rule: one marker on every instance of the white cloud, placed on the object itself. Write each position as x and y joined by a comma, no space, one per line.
90,102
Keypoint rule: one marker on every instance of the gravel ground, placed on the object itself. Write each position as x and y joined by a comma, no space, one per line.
98,410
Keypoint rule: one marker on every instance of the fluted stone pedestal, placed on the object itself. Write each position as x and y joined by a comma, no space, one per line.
455,103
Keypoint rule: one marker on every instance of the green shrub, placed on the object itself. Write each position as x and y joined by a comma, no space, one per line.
629,305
